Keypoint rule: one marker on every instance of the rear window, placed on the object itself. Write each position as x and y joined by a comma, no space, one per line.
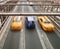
30,19
17,19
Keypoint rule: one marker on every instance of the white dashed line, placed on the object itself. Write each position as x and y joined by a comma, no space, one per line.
40,37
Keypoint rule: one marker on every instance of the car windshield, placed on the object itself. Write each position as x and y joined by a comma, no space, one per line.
30,19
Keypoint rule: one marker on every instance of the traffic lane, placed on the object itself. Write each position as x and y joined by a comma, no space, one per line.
52,36
37,8
29,9
26,9
54,39
12,40
32,40
17,9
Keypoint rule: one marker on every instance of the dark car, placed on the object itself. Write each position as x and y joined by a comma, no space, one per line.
30,22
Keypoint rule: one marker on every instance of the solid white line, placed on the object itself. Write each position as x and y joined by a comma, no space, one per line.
4,34
5,28
58,33
43,38
40,37
16,7
21,40
24,31
22,37
47,42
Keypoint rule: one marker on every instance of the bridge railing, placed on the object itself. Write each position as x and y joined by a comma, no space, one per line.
3,21
46,6
29,14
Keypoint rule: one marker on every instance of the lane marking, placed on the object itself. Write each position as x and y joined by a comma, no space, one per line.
45,41
22,37
58,33
4,34
16,7
5,27
40,36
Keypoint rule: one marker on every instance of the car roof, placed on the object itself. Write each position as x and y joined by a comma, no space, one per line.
30,18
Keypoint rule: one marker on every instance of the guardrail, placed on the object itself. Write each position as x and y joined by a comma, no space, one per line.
43,1
57,25
34,0
4,8
29,4
3,22
51,6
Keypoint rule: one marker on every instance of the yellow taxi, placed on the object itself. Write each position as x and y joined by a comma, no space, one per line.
45,23
16,23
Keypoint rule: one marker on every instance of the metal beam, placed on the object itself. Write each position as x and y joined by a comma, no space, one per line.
29,14
34,0
30,4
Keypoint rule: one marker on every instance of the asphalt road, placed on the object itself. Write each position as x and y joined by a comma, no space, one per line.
12,40
31,37
32,40
53,37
